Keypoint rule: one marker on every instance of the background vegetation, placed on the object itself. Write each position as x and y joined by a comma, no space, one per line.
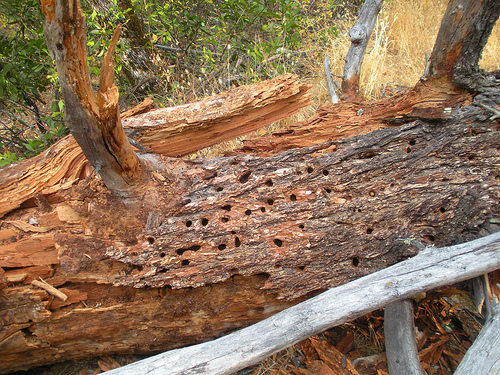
197,48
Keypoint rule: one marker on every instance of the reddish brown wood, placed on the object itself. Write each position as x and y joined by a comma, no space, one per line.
464,31
171,131
93,121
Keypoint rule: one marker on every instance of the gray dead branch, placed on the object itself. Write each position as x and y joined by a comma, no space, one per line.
431,268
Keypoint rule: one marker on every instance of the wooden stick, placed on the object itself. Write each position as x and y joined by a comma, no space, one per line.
431,268
50,289
329,81
400,344
483,356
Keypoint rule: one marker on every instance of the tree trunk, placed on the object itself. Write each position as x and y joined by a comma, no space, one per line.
199,247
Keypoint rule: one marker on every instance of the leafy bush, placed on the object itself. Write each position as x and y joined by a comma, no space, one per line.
26,72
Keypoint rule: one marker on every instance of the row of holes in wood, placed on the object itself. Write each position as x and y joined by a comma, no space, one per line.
278,242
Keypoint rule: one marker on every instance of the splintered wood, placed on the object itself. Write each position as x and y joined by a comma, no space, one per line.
189,127
185,129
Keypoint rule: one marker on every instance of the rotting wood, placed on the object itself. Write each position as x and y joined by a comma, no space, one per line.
430,269
483,356
93,120
209,120
50,289
429,101
279,227
184,129
399,334
104,226
287,215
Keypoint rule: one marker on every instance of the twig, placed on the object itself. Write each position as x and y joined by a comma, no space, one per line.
50,289
329,81
496,112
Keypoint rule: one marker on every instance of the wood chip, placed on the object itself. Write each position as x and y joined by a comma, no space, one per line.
50,289
25,227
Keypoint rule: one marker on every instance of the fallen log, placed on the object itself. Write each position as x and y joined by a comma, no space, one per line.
282,227
432,268
174,131
213,245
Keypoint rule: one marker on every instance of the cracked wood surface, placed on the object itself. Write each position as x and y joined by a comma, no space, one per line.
190,126
254,231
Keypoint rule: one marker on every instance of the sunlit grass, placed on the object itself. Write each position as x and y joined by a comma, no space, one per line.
400,45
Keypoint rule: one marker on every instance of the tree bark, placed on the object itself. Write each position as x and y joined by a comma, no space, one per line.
464,31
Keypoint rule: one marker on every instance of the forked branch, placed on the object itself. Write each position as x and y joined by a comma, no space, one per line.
93,121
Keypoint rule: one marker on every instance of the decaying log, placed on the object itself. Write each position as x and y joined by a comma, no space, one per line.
203,247
259,229
430,269
287,215
171,131
430,101
360,35
483,356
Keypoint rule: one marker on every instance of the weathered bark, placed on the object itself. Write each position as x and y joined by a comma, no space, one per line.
174,131
399,335
464,31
